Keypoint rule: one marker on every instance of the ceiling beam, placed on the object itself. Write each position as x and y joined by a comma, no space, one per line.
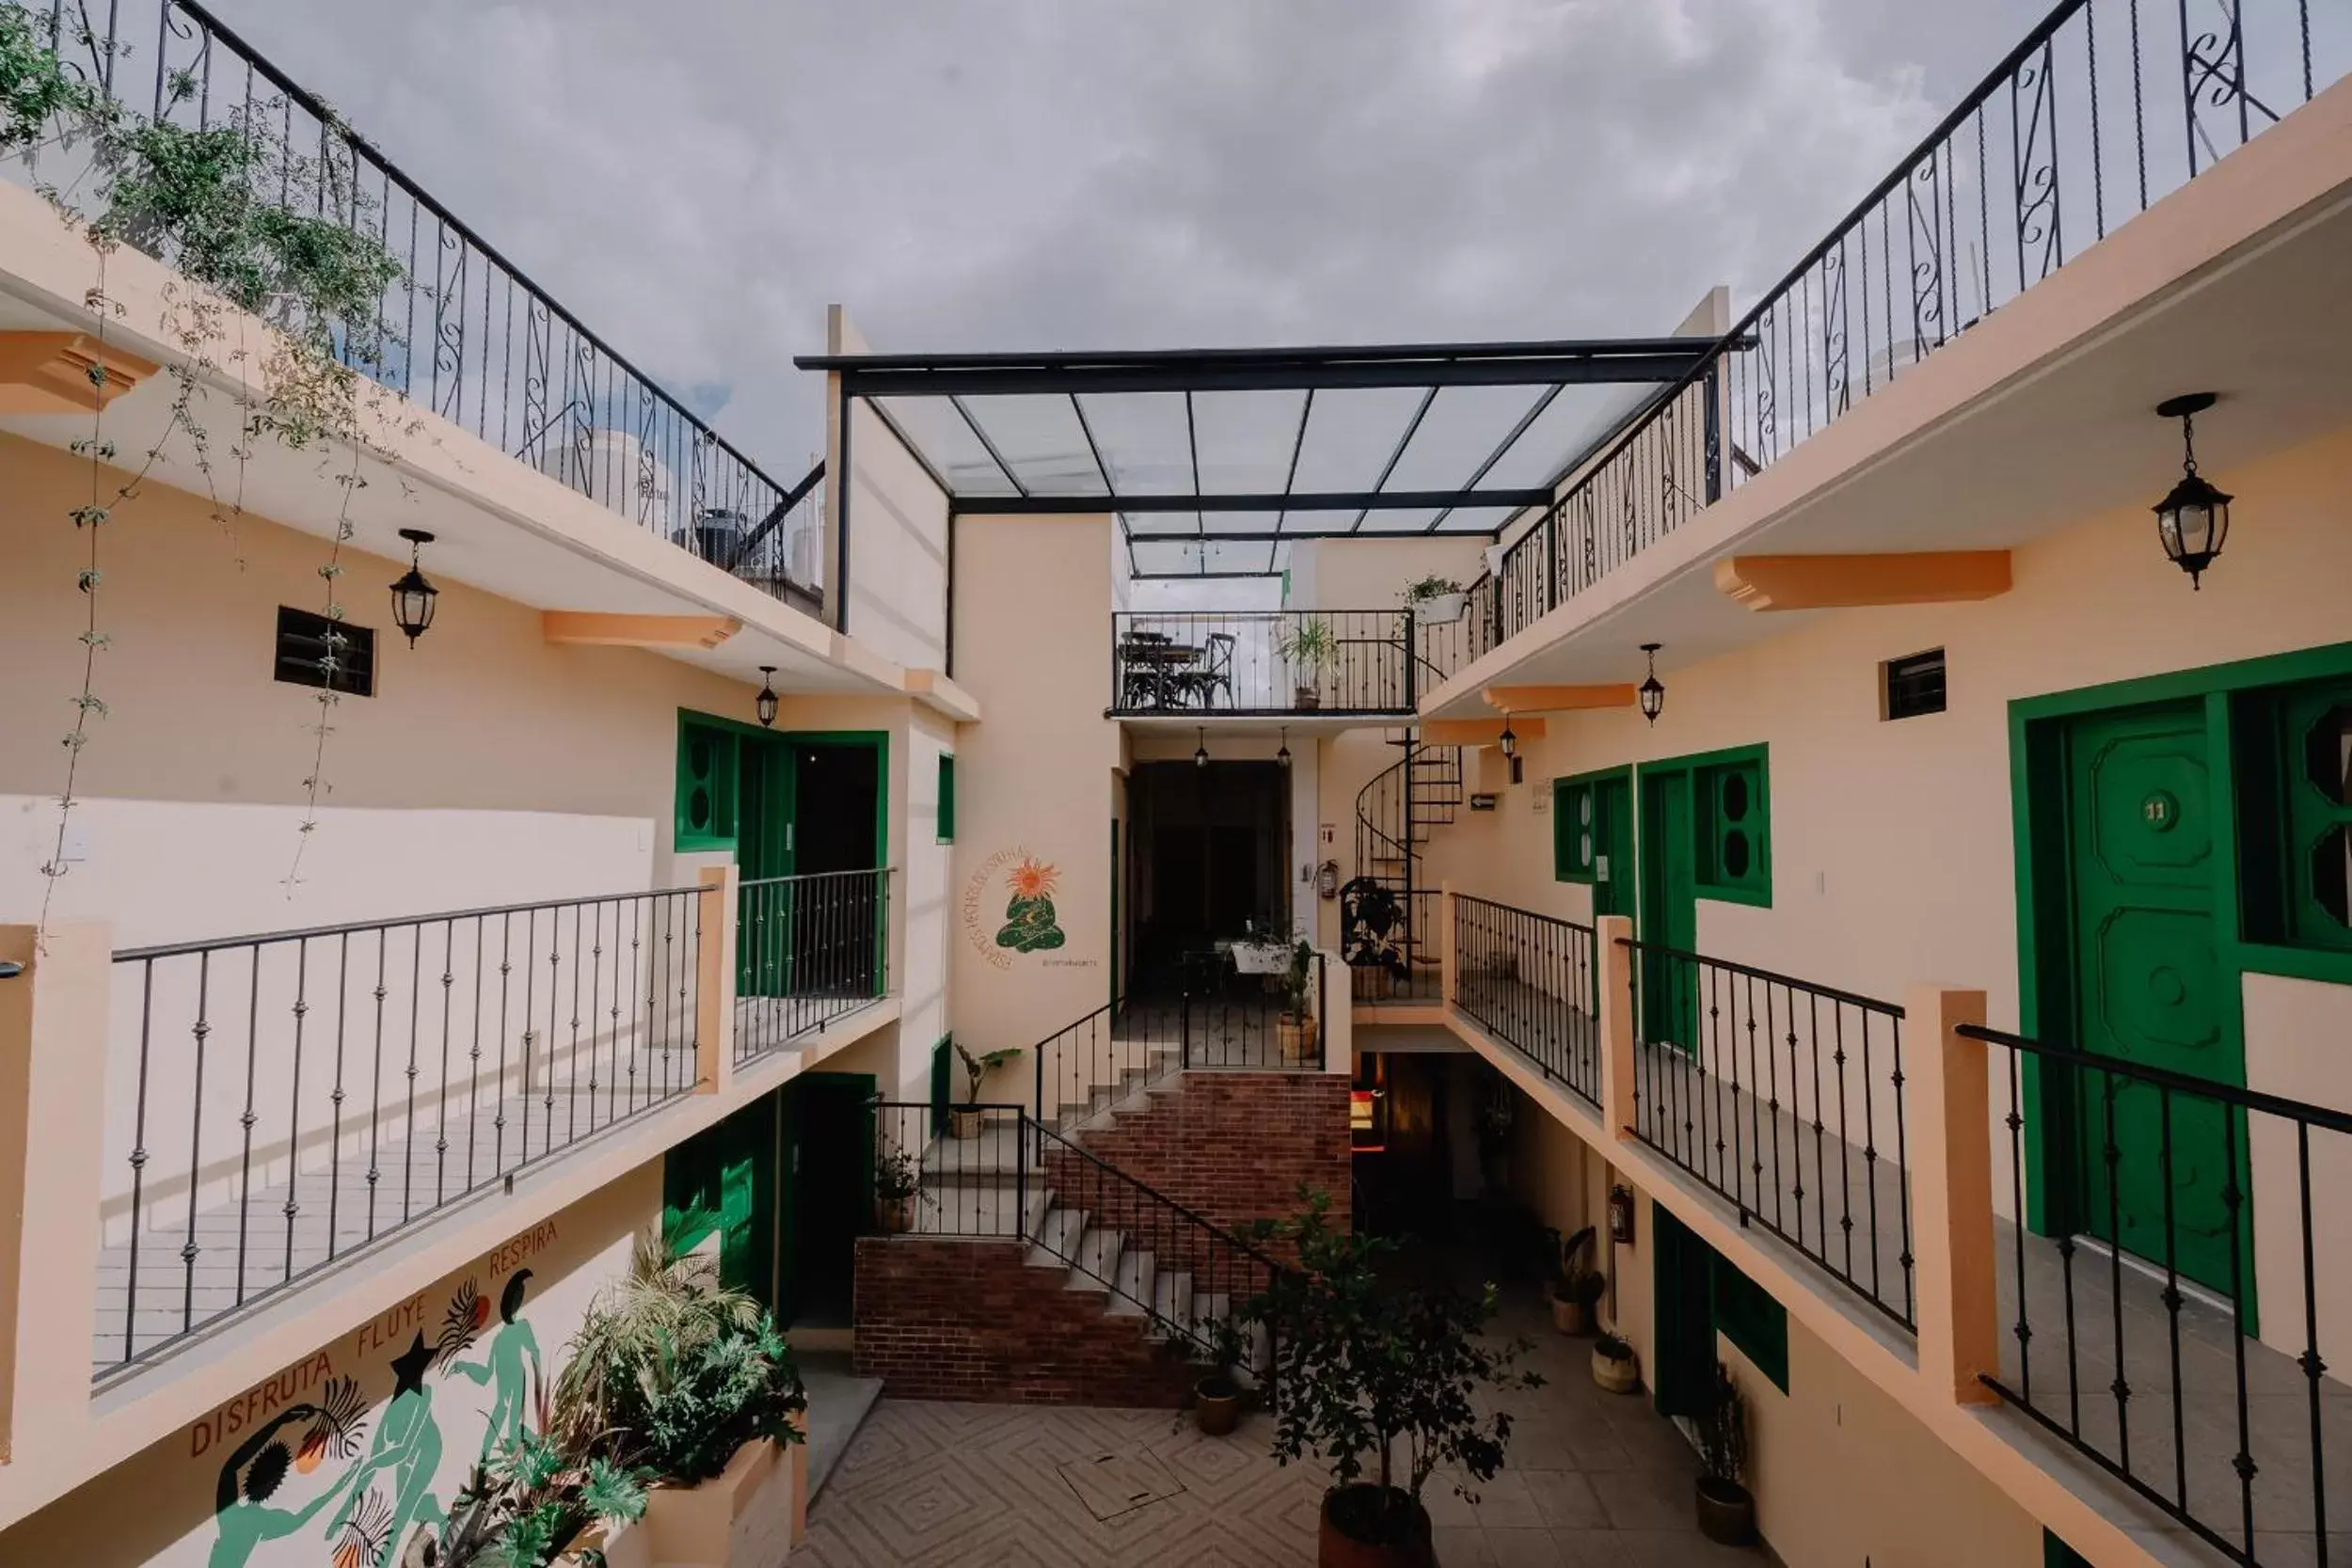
1478,732
1765,583
595,630
1013,380
1260,501
58,372
1558,699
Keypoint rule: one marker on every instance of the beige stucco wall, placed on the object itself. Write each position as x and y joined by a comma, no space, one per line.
898,549
1034,777
1371,573
397,1453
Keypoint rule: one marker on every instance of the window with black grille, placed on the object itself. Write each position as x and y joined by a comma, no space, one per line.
1914,685
303,642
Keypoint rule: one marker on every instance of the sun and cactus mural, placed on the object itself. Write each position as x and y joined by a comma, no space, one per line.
1029,925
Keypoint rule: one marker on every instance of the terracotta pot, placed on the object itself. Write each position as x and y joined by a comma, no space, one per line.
1297,1041
895,1215
1215,1406
1726,1512
965,1125
1307,699
1570,1317
1336,1548
1619,1375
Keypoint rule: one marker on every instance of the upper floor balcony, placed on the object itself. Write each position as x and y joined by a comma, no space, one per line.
1198,665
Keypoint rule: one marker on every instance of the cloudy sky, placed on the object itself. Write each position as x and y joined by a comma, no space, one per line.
698,179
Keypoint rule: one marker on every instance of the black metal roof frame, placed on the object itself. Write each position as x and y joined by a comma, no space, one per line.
1548,367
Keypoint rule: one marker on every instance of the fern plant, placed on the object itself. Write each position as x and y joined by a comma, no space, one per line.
526,1507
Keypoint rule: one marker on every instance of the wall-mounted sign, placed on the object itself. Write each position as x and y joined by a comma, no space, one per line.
1029,924
1482,802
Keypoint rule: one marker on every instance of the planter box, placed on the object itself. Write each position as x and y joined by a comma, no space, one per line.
1440,609
1297,1041
749,1517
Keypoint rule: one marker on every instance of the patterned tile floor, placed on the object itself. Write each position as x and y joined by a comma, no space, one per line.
1595,1481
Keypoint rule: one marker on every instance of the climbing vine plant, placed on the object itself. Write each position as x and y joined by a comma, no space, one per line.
260,229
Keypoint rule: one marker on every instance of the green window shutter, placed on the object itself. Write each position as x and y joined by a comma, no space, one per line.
946,797
705,786
1734,823
1575,831
942,1081
1749,1317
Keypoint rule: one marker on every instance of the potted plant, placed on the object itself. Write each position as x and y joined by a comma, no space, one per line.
1614,1367
965,1121
1311,647
1727,1511
1435,601
1216,1397
896,1184
688,1383
1576,1288
1294,1029
531,1505
1381,1383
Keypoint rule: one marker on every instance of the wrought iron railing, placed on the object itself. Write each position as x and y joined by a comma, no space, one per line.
2104,108
1392,946
953,1170
1265,662
463,331
1215,1018
1530,981
276,1103
1786,1099
807,950
2176,1305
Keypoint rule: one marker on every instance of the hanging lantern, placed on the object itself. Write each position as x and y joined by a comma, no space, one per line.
1200,752
2194,519
1510,741
765,705
1283,756
1653,692
413,595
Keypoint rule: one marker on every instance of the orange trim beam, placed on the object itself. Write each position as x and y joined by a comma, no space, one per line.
1557,699
591,628
1478,732
1764,582
51,373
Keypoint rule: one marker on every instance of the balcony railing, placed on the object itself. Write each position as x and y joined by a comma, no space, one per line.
461,330
2106,107
1212,1019
276,1103
2198,1361
1292,661
1530,981
1785,1098
808,950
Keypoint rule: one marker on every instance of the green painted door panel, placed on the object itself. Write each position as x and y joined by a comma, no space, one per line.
1669,917
1612,828
2147,953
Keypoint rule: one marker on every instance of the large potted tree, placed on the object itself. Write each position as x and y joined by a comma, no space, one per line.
687,1382
1380,1383
966,1120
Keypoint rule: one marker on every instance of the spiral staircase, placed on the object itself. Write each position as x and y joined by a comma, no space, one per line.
1397,813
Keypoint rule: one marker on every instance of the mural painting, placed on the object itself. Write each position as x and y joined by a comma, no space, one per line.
1029,924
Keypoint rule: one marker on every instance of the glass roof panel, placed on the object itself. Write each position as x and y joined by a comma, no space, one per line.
1038,436
1141,436
947,443
1246,438
1350,434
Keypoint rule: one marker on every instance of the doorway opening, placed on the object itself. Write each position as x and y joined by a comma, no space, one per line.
1209,847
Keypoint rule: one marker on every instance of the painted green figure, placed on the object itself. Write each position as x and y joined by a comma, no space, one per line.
409,1446
249,1480
1029,926
510,1366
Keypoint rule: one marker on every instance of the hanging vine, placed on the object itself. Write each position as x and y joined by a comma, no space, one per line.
223,205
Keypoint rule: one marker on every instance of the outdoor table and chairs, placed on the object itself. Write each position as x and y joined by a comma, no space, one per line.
1158,671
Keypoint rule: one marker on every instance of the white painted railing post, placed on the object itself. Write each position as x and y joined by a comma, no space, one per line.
1951,1193
714,980
52,1116
1612,964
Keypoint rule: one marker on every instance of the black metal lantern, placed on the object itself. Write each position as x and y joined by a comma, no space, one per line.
2194,519
413,595
1653,692
1510,741
765,704
1283,756
1200,752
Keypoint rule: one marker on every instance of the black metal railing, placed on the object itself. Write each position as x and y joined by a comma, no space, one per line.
953,1170
1265,662
1786,1099
461,330
2176,1300
2104,108
276,1103
1396,956
1217,1018
807,950
1530,981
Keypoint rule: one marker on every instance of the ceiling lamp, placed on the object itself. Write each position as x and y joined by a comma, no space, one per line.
1653,692
766,704
1200,752
1283,756
413,595
2194,519
1510,741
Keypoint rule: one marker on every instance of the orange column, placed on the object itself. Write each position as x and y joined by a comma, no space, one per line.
1951,1193
1614,962
714,982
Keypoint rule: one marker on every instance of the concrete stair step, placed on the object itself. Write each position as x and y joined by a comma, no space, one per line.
1137,1275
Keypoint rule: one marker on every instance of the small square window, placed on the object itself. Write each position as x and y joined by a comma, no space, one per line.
315,651
1911,686
947,798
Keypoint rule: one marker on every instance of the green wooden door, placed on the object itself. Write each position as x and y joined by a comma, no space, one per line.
1670,910
724,1180
764,849
2146,946
1613,872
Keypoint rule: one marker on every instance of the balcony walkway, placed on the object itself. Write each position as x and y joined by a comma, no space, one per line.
2198,1461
